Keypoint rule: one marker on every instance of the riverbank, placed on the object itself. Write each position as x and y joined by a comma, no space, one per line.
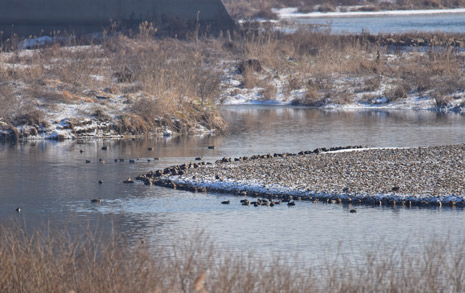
141,85
425,176
278,9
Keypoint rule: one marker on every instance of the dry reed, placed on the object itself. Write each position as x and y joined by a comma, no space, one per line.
176,83
51,260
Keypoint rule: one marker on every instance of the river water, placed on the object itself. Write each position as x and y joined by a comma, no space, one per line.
52,184
448,23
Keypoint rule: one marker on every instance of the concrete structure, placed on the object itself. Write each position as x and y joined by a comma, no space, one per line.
41,17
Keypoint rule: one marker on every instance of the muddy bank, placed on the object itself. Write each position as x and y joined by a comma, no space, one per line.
425,176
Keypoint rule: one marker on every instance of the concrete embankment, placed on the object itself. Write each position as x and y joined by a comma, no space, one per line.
424,176
33,17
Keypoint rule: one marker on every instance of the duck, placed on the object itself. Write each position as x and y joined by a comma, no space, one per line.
353,211
18,210
291,203
100,182
96,200
226,202
129,180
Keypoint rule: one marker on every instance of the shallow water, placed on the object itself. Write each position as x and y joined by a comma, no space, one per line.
450,23
51,183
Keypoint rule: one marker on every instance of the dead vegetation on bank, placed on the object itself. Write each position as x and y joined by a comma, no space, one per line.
53,261
141,83
137,83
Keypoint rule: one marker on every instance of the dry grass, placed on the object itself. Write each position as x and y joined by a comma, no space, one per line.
166,82
179,76
340,66
54,261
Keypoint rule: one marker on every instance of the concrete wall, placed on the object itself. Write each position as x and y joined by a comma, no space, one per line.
31,16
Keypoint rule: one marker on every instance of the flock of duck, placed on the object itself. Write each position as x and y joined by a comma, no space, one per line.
424,176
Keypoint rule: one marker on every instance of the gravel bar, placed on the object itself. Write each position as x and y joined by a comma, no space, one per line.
386,176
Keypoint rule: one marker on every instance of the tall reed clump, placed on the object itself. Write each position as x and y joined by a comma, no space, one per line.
178,80
49,260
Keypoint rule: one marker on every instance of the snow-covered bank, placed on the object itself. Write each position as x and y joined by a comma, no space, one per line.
290,12
344,92
162,87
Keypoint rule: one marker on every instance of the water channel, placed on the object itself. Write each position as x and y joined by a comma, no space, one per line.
53,184
448,23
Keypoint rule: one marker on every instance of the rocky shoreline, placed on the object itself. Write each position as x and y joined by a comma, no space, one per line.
424,176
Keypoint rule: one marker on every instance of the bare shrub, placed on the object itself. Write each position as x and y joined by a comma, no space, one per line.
311,98
249,79
326,8
265,13
371,84
133,124
295,83
344,97
441,101
100,114
208,85
269,91
396,93
74,65
146,107
253,65
369,8
30,116
9,102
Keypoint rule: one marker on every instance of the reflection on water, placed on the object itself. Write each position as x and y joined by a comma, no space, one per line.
294,129
449,23
51,182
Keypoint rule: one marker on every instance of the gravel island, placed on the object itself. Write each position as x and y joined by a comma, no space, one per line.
382,176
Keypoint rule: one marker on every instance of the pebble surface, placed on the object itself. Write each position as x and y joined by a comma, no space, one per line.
425,174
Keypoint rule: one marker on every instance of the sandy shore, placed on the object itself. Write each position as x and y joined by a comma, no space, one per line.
411,176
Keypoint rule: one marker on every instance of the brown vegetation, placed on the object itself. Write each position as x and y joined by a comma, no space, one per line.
54,261
175,83
179,77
